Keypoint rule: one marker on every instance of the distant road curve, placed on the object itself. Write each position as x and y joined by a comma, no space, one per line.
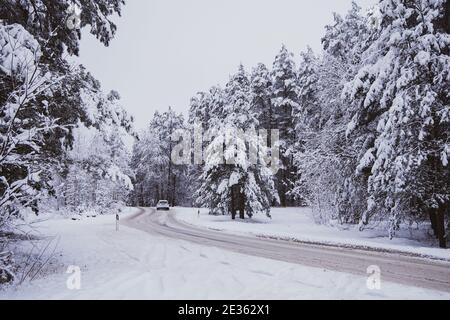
395,267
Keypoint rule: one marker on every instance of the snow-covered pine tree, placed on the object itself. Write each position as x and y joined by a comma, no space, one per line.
284,101
307,117
325,158
261,94
199,110
204,113
40,99
77,189
308,114
404,87
344,42
157,177
46,21
99,176
148,163
34,41
230,181
23,122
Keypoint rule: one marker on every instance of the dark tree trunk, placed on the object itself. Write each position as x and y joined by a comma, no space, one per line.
241,204
158,193
438,214
282,190
433,220
233,202
174,195
269,128
440,227
237,202
233,206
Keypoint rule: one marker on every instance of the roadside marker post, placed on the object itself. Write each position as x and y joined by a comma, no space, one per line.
117,222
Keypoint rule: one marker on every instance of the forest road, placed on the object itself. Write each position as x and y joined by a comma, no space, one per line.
395,267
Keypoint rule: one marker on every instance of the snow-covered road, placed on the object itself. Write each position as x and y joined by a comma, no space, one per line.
154,257
395,267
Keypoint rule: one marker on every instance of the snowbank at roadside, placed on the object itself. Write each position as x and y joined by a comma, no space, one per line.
131,264
297,224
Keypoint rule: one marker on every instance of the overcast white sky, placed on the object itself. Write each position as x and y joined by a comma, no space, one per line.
167,50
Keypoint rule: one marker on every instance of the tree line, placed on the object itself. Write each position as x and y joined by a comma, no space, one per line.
363,127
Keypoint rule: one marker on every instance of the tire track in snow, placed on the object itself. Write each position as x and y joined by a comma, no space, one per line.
406,270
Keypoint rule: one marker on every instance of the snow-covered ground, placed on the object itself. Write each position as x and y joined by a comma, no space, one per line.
298,224
132,264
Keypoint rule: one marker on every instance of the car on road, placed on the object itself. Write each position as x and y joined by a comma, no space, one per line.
162,205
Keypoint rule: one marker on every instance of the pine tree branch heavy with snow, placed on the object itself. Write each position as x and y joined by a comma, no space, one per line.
41,98
230,181
404,87
285,101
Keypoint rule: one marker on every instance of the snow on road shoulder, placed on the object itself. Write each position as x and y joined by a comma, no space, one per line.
297,224
131,264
